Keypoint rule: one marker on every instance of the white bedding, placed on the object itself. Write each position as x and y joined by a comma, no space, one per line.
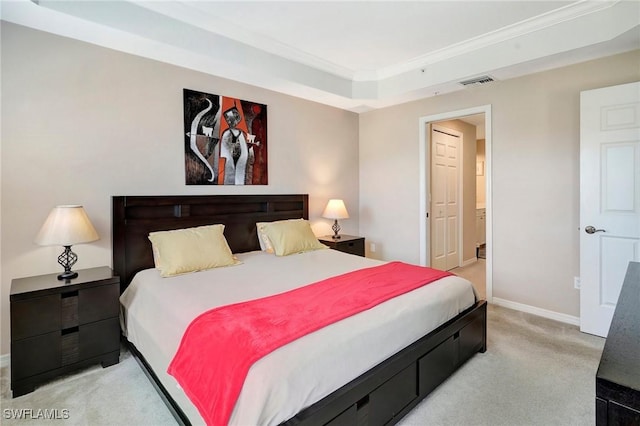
156,311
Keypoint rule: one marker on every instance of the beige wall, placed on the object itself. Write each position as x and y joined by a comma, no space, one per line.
81,123
535,178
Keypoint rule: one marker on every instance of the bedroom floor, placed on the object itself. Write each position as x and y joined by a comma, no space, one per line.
476,273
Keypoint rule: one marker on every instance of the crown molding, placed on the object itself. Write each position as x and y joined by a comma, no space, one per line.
556,39
519,29
203,19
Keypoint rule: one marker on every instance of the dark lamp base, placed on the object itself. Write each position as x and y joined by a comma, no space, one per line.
336,229
67,259
68,275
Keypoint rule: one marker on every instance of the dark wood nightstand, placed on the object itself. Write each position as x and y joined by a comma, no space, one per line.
60,326
347,244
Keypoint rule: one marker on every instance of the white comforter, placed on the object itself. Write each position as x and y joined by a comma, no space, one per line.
156,311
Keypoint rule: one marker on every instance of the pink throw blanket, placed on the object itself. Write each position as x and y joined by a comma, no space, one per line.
220,345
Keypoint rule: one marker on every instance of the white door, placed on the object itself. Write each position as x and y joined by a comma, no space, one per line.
609,199
445,215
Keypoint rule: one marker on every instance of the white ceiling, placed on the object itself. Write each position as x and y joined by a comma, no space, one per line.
356,55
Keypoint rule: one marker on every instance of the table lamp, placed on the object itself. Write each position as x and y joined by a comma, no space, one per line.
66,226
335,210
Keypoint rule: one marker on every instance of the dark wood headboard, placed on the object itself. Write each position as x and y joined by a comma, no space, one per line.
135,216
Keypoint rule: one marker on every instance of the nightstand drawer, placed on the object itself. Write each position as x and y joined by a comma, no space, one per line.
98,303
90,340
346,244
99,338
35,355
353,247
46,352
61,311
38,315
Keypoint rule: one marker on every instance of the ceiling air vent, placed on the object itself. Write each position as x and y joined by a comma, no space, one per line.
477,81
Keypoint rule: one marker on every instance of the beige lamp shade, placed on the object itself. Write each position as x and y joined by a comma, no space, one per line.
335,210
66,226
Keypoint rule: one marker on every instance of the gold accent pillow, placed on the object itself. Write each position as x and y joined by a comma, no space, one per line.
291,236
191,249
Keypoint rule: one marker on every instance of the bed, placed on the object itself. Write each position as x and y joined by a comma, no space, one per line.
390,385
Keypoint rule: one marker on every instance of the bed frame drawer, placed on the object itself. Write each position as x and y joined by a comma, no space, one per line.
444,359
437,365
471,339
396,393
348,417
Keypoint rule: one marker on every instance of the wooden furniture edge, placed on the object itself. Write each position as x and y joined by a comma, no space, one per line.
168,400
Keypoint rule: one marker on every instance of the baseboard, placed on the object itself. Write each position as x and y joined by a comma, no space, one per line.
469,261
568,319
4,360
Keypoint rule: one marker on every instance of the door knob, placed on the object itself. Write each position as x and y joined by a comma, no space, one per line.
591,230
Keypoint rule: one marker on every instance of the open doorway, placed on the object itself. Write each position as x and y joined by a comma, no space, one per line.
475,198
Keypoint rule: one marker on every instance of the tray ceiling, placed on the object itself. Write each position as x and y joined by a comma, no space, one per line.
356,55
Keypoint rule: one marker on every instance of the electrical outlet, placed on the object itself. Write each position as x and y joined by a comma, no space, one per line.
576,283
372,247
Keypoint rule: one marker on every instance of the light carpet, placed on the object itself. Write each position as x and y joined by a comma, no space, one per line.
535,372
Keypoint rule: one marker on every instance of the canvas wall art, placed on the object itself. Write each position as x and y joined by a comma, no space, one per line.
225,140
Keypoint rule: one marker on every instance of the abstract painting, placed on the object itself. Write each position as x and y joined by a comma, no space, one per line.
225,140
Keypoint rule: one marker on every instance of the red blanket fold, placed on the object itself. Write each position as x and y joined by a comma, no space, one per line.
220,345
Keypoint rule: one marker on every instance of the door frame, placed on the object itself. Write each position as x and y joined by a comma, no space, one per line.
460,200
424,158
